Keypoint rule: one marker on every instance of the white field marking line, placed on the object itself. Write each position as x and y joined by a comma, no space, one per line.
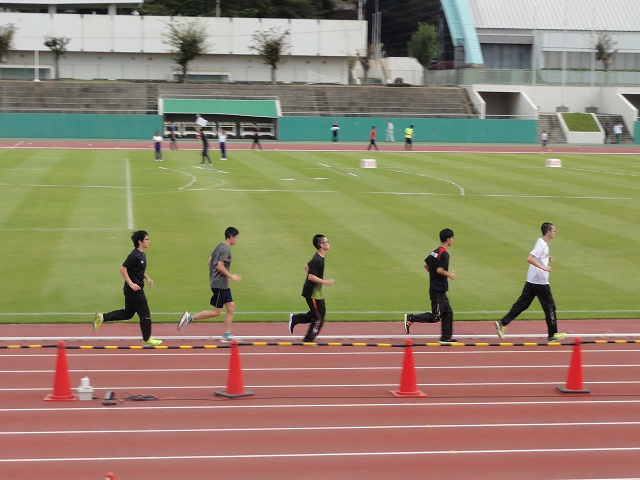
326,428
604,172
430,176
338,169
579,197
57,230
264,190
193,178
293,179
50,185
209,169
130,222
564,402
386,453
16,145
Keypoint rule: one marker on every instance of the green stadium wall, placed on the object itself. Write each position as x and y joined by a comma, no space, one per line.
291,129
90,126
430,130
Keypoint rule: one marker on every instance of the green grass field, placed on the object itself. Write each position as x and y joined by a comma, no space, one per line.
66,217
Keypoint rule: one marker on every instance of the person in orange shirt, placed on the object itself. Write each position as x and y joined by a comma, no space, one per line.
372,138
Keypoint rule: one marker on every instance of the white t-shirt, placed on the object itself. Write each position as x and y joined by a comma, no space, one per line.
222,137
157,138
541,253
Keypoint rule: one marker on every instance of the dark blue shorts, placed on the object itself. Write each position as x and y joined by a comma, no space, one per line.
220,297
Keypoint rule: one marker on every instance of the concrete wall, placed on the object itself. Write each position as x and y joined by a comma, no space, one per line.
132,47
608,100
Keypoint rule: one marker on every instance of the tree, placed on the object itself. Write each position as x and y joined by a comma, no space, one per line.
187,42
423,46
240,8
58,46
7,33
271,46
605,50
364,59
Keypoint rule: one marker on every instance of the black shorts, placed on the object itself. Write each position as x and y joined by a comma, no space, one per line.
220,297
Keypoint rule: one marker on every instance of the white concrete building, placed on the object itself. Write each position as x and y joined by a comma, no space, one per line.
132,47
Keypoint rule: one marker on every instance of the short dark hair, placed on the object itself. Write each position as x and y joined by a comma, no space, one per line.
445,234
231,232
317,240
137,237
546,226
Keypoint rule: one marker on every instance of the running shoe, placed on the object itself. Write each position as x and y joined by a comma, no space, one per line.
184,320
557,337
151,342
292,324
98,318
407,323
500,329
228,338
449,341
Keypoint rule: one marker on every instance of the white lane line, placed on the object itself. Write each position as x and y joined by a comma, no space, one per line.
130,221
325,428
155,458
338,169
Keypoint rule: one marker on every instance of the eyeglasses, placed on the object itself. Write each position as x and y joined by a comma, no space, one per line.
323,243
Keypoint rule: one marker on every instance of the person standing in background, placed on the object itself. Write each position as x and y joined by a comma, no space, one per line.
389,133
173,134
256,137
544,141
205,146
222,141
157,146
372,138
334,132
408,138
617,130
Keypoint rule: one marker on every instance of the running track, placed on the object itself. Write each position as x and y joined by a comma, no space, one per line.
323,412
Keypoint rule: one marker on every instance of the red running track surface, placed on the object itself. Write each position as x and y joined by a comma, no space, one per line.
322,412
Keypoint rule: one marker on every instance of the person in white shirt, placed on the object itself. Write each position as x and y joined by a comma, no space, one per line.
222,141
157,146
389,132
617,130
537,285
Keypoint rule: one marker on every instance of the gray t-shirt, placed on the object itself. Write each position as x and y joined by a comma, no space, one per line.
222,253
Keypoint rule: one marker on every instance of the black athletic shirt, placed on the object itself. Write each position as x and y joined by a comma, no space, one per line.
136,265
439,258
316,267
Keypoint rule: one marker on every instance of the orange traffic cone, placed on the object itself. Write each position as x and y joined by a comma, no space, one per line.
574,377
408,385
110,476
62,383
235,386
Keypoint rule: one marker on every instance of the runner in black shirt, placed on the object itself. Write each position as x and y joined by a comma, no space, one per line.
437,264
312,291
